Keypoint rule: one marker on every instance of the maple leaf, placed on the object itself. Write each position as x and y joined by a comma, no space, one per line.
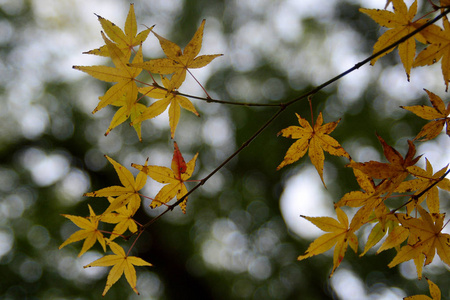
396,236
168,97
88,232
177,61
125,41
126,194
439,41
435,293
424,179
339,234
123,113
315,139
123,74
359,198
122,264
384,223
426,238
174,178
395,171
400,24
123,218
438,114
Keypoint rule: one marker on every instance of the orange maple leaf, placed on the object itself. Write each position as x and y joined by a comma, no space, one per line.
339,234
315,139
126,194
177,61
438,115
122,264
395,171
426,238
89,232
401,24
175,178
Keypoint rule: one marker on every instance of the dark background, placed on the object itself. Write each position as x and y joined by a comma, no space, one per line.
233,243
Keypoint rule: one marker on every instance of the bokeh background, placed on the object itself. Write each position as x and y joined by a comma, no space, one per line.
242,233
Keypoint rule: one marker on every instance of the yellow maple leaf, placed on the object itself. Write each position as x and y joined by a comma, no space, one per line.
435,293
122,73
315,139
424,179
168,96
426,238
123,113
439,41
123,218
89,232
175,178
438,115
126,194
396,236
122,264
125,40
339,235
177,61
401,24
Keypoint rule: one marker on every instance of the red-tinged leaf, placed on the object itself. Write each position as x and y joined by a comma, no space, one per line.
174,178
178,163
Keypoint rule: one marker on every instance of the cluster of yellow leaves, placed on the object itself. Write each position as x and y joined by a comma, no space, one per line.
119,46
401,23
124,201
415,234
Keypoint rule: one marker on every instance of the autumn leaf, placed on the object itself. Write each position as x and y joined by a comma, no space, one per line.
124,113
124,40
383,224
123,74
424,179
395,171
126,194
439,41
438,115
123,218
168,96
401,24
177,61
339,235
315,139
396,236
428,238
175,178
122,264
435,293
89,232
